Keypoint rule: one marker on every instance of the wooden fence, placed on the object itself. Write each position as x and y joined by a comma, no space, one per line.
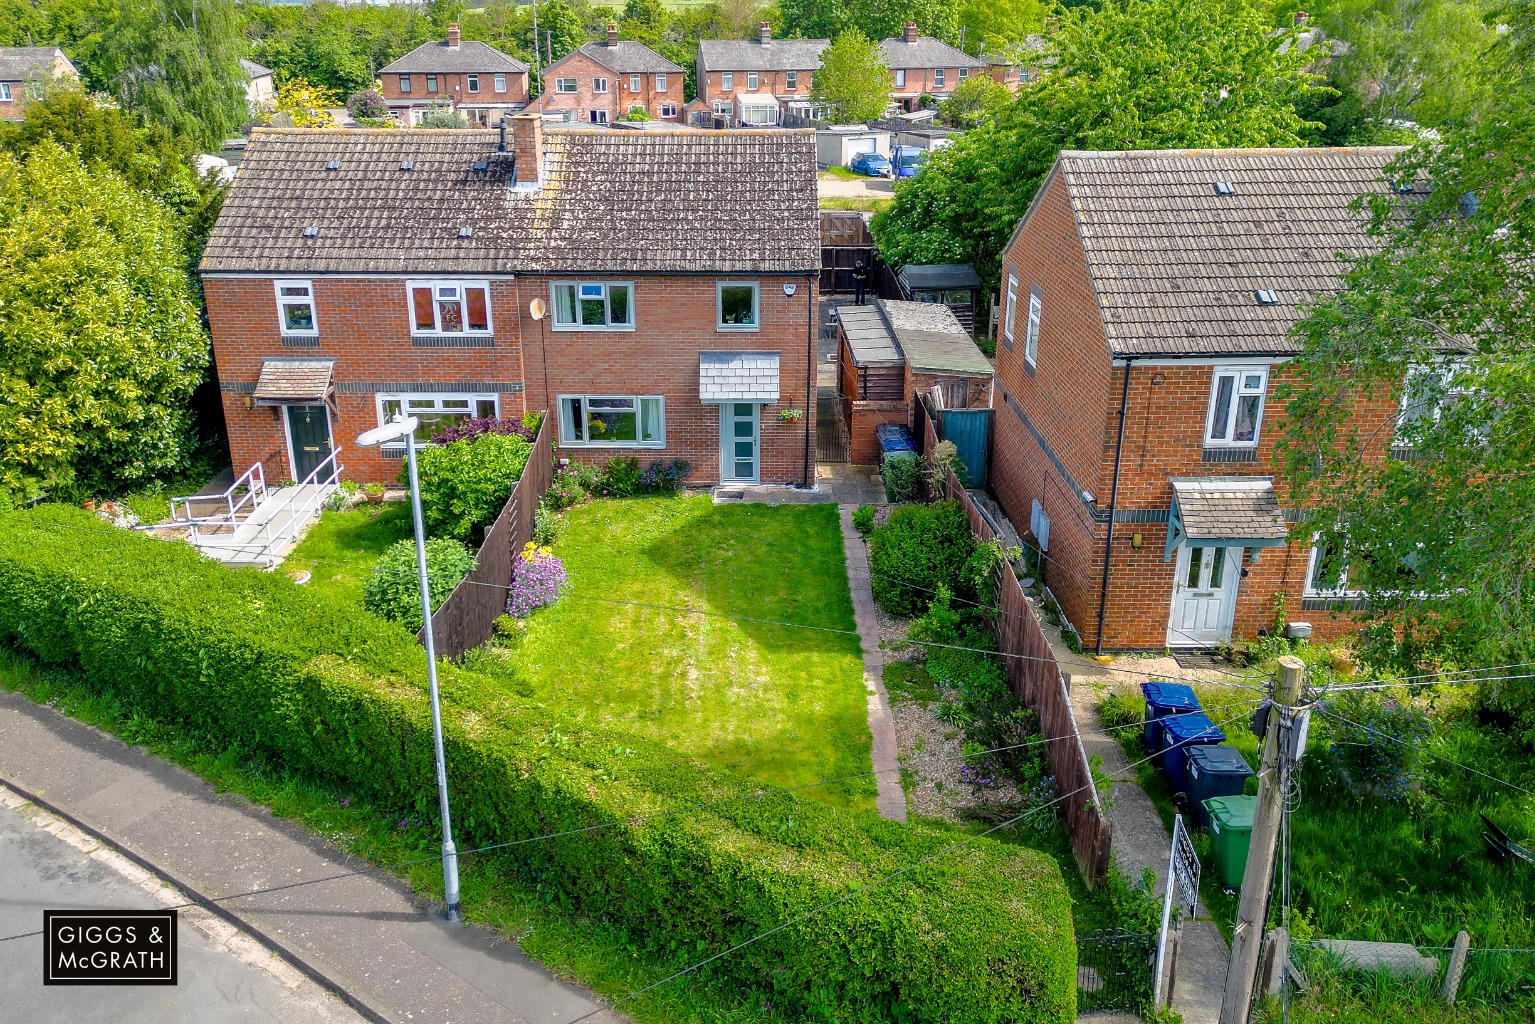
468,617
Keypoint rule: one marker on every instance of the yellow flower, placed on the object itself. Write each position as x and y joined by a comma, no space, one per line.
546,550
529,546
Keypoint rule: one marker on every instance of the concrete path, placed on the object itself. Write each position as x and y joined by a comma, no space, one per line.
890,798
223,975
364,937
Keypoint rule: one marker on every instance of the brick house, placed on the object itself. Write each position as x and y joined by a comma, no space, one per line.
28,67
1147,299
477,80
597,83
924,66
665,312
757,81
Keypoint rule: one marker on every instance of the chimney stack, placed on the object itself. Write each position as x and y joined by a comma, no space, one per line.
765,34
612,34
453,36
527,145
1301,17
911,31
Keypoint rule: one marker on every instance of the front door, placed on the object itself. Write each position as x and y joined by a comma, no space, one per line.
740,453
308,438
1204,596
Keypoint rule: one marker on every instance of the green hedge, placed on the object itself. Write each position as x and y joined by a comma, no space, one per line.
917,550
245,658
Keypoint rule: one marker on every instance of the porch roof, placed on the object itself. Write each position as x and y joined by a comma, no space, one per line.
293,381
738,376
1225,512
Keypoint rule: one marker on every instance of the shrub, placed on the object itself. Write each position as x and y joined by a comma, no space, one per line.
918,549
394,590
863,519
538,578
636,114
443,116
464,484
367,104
979,574
903,477
620,477
246,661
468,430
976,670
664,476
572,484
1370,763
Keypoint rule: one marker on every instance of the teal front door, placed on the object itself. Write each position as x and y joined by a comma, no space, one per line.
739,454
308,438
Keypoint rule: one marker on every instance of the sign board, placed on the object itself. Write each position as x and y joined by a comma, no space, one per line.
109,947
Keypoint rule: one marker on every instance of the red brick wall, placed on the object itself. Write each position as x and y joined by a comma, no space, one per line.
619,98
920,80
863,445
711,86
456,88
11,110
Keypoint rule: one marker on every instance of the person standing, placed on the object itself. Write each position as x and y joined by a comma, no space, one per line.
860,281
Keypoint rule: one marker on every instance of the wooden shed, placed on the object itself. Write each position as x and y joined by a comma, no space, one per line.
955,285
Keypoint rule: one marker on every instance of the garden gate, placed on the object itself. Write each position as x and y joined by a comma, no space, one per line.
1180,901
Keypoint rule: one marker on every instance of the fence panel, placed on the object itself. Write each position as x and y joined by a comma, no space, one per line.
468,617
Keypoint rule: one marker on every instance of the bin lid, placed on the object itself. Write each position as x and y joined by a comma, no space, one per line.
1190,726
894,437
1219,759
1235,813
1169,695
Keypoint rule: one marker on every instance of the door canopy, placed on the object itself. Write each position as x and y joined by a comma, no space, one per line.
1225,512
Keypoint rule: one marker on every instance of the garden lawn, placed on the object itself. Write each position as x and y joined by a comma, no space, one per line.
782,705
342,548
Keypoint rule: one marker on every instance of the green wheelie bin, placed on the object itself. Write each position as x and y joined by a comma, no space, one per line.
1231,830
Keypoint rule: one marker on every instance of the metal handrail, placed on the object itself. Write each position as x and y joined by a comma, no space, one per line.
254,481
271,539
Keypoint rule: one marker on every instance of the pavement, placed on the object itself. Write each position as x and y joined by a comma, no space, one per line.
224,976
363,937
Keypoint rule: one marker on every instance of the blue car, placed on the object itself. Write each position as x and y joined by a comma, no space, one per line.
872,164
908,161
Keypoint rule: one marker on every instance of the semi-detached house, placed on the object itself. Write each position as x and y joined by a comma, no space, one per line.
667,311
924,66
1147,304
472,78
25,70
597,83
757,81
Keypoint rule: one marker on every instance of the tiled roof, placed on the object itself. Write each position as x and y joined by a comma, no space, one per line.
751,55
738,376
926,52
624,57
722,201
18,63
440,58
1227,509
1177,267
933,339
293,380
252,69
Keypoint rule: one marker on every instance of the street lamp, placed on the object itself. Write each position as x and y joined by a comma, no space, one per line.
405,426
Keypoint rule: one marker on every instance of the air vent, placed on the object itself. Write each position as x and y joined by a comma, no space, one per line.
1225,188
311,232
1404,187
1265,297
407,165
465,232
480,165
333,165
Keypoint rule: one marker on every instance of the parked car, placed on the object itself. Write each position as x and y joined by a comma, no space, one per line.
872,164
908,160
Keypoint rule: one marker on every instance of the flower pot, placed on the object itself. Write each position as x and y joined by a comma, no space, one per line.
374,499
1343,663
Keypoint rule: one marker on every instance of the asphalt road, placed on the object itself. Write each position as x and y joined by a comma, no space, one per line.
223,977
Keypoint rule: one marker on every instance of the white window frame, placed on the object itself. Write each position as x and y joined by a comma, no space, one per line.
1010,309
566,86
791,81
600,86
719,307
900,78
722,107
436,400
568,435
660,83
472,83
1407,410
668,110
1031,330
437,329
404,84
597,117
939,76
284,301
1312,590
636,83
500,83
964,73
608,325
728,80
1238,392
753,81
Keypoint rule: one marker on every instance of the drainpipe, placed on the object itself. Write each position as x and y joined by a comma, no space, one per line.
810,357
1108,545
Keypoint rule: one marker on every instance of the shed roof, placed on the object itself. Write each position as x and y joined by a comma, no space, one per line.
752,55
736,201
440,58
1223,508
933,339
624,57
869,338
940,275
925,52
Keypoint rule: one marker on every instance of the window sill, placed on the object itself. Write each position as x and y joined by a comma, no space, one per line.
1233,453
576,329
652,445
737,329
452,340
300,341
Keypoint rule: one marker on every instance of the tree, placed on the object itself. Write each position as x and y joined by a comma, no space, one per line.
880,19
305,105
975,100
101,343
854,80
994,25
1441,543
1144,74
368,104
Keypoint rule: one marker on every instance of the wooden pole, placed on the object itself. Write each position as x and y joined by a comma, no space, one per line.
1252,909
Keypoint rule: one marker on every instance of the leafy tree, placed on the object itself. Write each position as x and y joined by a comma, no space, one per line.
305,105
854,80
101,343
1442,543
881,19
367,103
560,30
442,116
1144,74
976,99
995,25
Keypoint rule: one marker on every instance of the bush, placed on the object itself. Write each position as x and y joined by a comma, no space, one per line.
977,670
620,477
246,661
664,476
573,483
1369,762
464,484
863,519
394,590
468,430
903,477
538,578
367,104
918,549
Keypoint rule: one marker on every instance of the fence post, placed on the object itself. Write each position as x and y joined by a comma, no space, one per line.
1457,966
1276,953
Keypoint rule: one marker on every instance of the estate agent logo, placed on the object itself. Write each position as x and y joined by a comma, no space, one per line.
109,947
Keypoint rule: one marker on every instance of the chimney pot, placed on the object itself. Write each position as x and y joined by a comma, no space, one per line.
453,36
911,31
1301,17
612,34
765,34
527,145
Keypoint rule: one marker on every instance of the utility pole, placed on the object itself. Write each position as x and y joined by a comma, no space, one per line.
1252,909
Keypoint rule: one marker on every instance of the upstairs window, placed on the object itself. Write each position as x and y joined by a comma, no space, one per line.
500,83
295,309
727,80
1236,406
737,305
1009,310
1429,392
593,305
900,78
450,307
564,85
618,421
599,85
791,80
660,83
472,82
964,73
751,81
938,78
405,83
431,83
1031,333
5,92
635,83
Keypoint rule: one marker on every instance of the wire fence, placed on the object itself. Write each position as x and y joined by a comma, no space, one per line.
1114,970
1378,971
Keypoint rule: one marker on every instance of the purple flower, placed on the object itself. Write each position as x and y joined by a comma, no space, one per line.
465,430
538,578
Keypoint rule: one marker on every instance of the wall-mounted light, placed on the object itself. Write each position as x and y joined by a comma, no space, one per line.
1136,540
250,401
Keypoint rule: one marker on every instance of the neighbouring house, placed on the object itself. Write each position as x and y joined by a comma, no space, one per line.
597,83
921,66
836,145
260,85
474,79
889,351
477,273
28,68
1147,305
757,81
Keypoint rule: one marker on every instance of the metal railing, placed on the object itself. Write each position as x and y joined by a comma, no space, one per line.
1114,971
281,522
250,487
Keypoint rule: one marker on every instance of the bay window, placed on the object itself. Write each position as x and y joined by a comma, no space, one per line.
450,307
619,421
593,305
1236,406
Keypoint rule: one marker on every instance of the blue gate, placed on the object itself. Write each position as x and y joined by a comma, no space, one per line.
970,430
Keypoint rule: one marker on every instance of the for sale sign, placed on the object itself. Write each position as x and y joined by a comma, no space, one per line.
109,947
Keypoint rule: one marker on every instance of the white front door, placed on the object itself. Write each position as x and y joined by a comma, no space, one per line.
740,453
1204,596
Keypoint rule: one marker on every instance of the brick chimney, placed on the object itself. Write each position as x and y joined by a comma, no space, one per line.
453,36
527,145
911,31
1301,17
765,34
612,34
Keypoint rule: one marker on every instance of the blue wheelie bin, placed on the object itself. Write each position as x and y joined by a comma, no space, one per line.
1214,771
1163,699
1179,733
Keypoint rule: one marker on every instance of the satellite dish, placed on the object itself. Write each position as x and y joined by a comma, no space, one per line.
538,308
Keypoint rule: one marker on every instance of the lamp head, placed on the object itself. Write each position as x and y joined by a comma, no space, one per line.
394,430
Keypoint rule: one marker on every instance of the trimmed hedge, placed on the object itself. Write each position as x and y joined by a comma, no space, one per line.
917,550
245,658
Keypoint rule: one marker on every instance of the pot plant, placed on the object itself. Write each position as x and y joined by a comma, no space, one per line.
791,415
373,492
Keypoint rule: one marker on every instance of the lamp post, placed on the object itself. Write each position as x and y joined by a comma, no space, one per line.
405,426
